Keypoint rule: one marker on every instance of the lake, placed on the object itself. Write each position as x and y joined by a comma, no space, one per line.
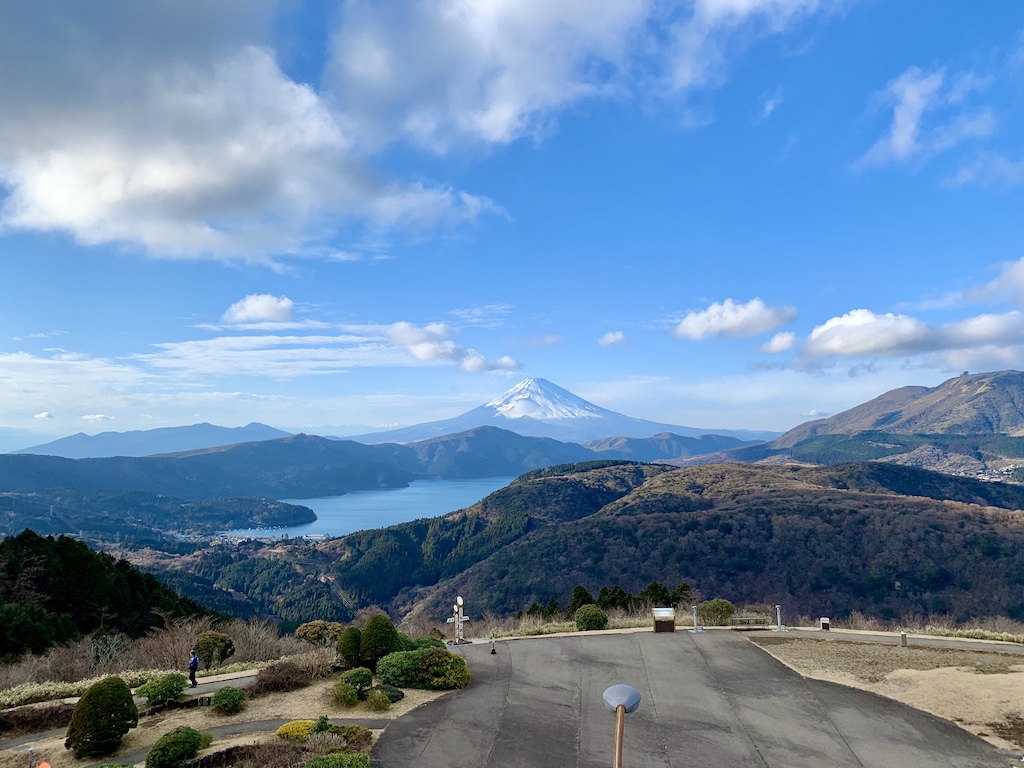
359,510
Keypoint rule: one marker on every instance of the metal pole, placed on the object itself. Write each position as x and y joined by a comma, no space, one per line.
903,639
620,727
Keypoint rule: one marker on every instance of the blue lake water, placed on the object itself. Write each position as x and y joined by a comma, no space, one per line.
359,510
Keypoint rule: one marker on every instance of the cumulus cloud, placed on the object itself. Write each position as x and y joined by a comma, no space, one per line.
929,115
612,338
258,308
729,318
865,334
43,416
432,343
116,127
435,73
97,417
780,342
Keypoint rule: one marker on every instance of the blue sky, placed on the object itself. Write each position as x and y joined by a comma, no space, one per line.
715,213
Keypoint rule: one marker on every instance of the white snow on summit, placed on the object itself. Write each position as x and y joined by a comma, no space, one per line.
540,399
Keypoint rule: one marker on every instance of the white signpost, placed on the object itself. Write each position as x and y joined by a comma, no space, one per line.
458,619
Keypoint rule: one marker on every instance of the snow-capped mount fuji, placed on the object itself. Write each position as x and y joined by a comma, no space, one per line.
538,408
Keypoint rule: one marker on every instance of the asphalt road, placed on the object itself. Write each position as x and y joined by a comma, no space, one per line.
712,700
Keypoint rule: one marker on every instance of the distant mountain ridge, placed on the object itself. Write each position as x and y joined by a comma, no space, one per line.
970,404
538,408
970,425
150,442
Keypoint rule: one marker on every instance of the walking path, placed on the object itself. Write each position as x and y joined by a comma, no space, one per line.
712,700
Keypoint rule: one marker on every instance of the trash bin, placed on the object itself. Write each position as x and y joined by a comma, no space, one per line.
825,623
664,619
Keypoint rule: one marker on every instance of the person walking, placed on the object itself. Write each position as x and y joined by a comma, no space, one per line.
193,667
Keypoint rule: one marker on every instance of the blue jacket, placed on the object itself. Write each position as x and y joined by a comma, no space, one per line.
193,663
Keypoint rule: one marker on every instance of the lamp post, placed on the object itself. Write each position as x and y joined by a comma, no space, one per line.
622,700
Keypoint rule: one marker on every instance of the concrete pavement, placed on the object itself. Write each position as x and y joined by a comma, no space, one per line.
712,700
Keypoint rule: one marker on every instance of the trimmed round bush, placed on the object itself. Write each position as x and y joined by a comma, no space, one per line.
348,647
378,701
213,647
379,638
590,617
228,701
319,632
395,695
359,678
715,613
163,689
102,717
433,669
174,748
345,694
340,760
296,730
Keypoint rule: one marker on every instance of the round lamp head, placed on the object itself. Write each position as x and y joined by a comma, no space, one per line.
622,695
458,600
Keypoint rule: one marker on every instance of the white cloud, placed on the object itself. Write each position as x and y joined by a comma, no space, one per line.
97,417
701,38
862,333
780,342
43,416
989,169
915,95
613,338
184,143
493,72
437,73
485,316
258,308
1008,284
729,318
431,343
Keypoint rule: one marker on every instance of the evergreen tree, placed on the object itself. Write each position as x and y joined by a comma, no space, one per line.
580,596
655,594
613,597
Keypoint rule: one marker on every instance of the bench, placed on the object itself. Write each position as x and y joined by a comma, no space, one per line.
750,622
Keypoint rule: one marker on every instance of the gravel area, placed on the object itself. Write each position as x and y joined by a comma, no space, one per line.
981,691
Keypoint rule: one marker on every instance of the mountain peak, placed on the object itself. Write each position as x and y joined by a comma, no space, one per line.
540,399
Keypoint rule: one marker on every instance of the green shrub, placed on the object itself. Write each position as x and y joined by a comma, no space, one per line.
359,678
213,647
174,748
340,760
378,701
589,617
434,669
356,738
394,695
319,632
427,642
322,725
379,638
102,717
348,647
205,740
163,689
715,613
296,730
346,694
406,642
279,678
228,701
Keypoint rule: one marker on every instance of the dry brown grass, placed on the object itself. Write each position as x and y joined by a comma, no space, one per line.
981,691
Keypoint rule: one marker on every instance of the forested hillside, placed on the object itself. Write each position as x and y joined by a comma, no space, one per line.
53,590
881,539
